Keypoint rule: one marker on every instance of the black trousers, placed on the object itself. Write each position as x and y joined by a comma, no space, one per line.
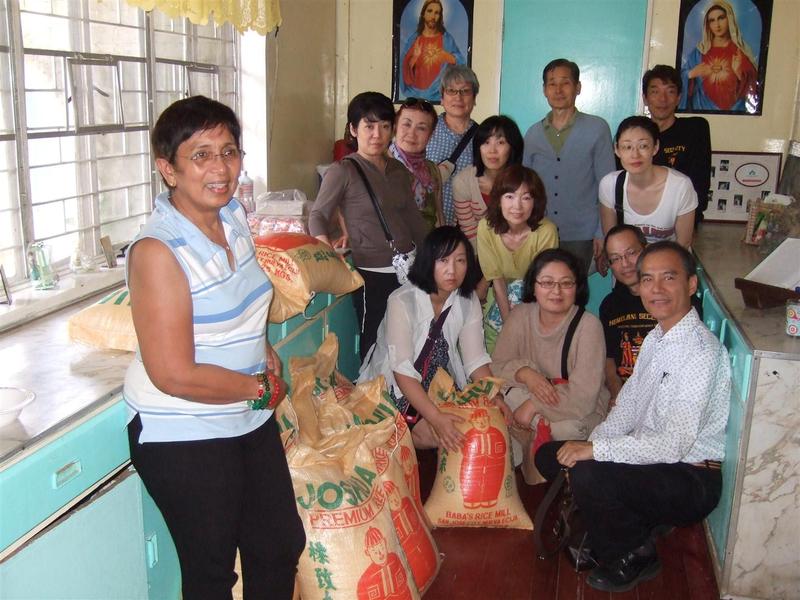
219,495
622,503
370,305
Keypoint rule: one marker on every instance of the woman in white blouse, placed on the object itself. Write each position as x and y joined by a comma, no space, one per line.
442,281
658,200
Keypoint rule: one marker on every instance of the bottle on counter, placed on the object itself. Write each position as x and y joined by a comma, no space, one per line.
245,193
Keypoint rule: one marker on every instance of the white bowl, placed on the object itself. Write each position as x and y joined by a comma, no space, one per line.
12,401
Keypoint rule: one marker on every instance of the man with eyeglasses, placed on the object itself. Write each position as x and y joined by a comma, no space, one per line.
654,463
454,130
571,151
685,144
625,321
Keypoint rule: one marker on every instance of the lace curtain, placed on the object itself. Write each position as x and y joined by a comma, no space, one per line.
259,15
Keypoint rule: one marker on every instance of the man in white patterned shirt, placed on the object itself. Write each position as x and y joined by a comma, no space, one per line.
655,461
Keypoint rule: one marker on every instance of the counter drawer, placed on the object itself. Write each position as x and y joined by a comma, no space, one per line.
38,486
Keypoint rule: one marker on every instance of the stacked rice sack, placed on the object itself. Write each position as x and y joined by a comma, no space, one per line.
366,536
475,487
299,266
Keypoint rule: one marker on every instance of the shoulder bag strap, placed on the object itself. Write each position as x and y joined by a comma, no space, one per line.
463,143
432,335
375,204
573,325
550,501
619,192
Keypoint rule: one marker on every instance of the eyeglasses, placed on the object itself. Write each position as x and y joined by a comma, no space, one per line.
549,284
629,254
418,102
204,157
641,147
458,92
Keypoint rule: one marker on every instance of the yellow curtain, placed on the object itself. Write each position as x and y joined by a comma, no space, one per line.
259,15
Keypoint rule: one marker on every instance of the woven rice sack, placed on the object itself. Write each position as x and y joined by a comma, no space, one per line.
368,402
477,486
298,266
410,523
106,324
352,550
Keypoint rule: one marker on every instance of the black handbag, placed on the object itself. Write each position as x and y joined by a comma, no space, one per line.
422,361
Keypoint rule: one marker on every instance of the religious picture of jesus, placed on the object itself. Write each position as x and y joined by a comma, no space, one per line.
429,35
722,58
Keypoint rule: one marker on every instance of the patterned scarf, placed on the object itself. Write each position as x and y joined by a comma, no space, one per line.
423,182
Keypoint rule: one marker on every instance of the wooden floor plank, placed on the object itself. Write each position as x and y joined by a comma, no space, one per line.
501,564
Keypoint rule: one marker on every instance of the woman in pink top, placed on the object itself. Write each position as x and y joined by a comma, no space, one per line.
496,144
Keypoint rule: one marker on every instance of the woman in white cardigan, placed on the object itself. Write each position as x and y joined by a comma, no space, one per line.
441,282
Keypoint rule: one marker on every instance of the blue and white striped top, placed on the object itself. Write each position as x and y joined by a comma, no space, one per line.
229,316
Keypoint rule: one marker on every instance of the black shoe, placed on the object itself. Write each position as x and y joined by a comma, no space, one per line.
580,557
627,572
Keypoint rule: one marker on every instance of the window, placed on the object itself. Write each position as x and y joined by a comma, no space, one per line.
88,78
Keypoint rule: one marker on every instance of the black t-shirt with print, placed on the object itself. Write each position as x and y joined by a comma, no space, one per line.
626,323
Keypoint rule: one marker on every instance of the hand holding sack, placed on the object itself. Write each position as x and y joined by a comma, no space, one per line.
477,486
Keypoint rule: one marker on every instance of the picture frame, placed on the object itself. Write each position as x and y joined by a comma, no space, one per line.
5,289
722,55
421,50
737,180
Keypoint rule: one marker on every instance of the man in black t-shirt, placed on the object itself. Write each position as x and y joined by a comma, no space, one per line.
625,321
685,144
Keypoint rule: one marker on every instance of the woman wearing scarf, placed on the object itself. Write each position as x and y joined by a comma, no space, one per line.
414,125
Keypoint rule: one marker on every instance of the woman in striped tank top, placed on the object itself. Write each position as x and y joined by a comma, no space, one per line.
201,431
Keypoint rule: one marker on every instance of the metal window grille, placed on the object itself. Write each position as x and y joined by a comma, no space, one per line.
81,83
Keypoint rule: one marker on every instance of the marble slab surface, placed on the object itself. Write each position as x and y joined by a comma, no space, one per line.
724,257
69,379
766,555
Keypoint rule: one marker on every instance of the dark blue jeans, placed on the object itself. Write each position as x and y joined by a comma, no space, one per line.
622,503
219,495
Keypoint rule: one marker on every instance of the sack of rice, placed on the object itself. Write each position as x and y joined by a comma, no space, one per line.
315,379
477,486
409,522
106,324
298,266
352,550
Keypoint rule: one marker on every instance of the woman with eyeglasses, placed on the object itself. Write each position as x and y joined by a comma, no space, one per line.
546,400
513,232
497,142
459,90
413,128
370,116
659,200
200,387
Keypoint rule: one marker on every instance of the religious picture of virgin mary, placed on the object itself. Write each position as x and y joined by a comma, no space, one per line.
429,35
722,55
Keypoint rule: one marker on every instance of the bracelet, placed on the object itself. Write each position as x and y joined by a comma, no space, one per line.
267,388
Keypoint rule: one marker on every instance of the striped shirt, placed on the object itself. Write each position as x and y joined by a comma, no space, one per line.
229,317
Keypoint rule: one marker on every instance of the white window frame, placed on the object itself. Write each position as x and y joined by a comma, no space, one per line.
90,225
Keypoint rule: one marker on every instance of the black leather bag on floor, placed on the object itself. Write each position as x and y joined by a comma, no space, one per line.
558,524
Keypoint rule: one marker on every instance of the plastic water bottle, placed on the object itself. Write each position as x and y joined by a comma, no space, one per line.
245,193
